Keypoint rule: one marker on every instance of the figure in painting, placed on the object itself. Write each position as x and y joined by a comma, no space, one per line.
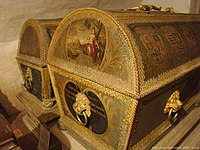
92,47
87,41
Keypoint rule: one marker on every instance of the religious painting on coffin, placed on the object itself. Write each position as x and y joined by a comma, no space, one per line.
87,42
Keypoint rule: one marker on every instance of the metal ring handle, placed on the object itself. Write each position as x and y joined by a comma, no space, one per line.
170,118
85,117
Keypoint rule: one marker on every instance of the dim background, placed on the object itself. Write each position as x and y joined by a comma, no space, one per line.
13,13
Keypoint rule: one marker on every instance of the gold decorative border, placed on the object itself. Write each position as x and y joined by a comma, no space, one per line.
46,87
31,60
152,17
49,22
55,88
78,130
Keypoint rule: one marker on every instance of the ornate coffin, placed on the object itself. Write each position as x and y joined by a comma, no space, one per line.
32,52
121,78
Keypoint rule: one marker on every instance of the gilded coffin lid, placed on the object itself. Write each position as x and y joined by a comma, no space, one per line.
134,53
35,38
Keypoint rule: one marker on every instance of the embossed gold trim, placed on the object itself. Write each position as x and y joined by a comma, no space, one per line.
59,104
170,9
145,7
31,60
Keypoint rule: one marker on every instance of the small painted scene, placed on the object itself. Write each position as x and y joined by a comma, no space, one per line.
86,42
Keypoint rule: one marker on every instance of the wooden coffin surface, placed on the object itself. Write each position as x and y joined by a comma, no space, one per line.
32,52
127,64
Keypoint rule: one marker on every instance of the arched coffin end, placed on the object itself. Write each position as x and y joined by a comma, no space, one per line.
91,43
35,38
33,46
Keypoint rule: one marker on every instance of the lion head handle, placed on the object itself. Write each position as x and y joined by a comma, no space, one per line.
82,104
173,102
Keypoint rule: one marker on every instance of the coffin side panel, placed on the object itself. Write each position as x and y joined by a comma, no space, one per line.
152,106
111,112
36,87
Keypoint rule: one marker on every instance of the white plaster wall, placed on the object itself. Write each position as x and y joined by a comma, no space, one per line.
195,7
14,12
10,78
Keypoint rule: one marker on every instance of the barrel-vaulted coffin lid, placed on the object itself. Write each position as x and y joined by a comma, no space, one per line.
134,53
35,38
